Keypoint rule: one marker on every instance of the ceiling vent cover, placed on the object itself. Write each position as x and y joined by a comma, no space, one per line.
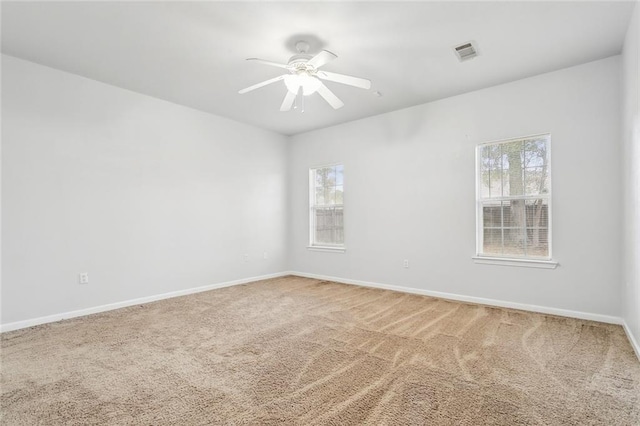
466,51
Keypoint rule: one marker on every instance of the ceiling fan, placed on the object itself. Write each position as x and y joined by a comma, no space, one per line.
304,78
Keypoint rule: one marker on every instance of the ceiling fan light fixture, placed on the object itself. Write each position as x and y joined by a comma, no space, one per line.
309,83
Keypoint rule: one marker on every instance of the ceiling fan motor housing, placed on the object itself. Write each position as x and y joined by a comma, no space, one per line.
299,61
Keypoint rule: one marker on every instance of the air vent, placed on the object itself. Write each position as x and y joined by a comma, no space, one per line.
466,51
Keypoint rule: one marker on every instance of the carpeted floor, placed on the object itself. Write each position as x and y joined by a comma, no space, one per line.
306,352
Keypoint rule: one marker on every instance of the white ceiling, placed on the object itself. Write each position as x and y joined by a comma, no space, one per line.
193,53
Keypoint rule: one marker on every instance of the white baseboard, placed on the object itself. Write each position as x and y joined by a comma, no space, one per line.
632,339
471,299
451,296
108,307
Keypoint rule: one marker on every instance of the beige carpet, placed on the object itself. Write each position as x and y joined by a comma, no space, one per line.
306,352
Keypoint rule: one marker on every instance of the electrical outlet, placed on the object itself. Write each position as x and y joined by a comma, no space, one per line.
83,278
405,263
245,257
265,256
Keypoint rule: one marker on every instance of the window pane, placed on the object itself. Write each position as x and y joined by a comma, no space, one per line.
330,195
538,242
492,243
485,180
514,242
525,225
537,212
339,175
491,165
513,213
512,165
535,153
331,176
320,178
513,216
325,177
536,180
323,231
339,195
339,225
319,196
504,178
492,227
329,226
492,214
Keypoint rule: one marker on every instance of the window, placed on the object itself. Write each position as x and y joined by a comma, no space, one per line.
514,199
326,189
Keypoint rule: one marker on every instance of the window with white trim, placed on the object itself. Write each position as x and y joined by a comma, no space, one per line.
514,198
326,195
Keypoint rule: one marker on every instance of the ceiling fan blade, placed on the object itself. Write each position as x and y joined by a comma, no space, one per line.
259,85
288,101
362,83
328,96
321,58
273,64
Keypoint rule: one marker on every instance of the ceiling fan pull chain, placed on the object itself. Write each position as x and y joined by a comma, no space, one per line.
301,96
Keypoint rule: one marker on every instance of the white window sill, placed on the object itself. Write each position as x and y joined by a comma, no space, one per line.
327,249
526,263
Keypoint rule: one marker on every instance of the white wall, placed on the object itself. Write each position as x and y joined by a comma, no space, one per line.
150,197
410,188
631,170
146,196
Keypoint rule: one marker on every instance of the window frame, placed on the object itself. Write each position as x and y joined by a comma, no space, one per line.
312,206
513,260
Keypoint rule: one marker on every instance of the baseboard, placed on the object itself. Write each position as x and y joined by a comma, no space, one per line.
471,299
443,295
108,307
632,339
